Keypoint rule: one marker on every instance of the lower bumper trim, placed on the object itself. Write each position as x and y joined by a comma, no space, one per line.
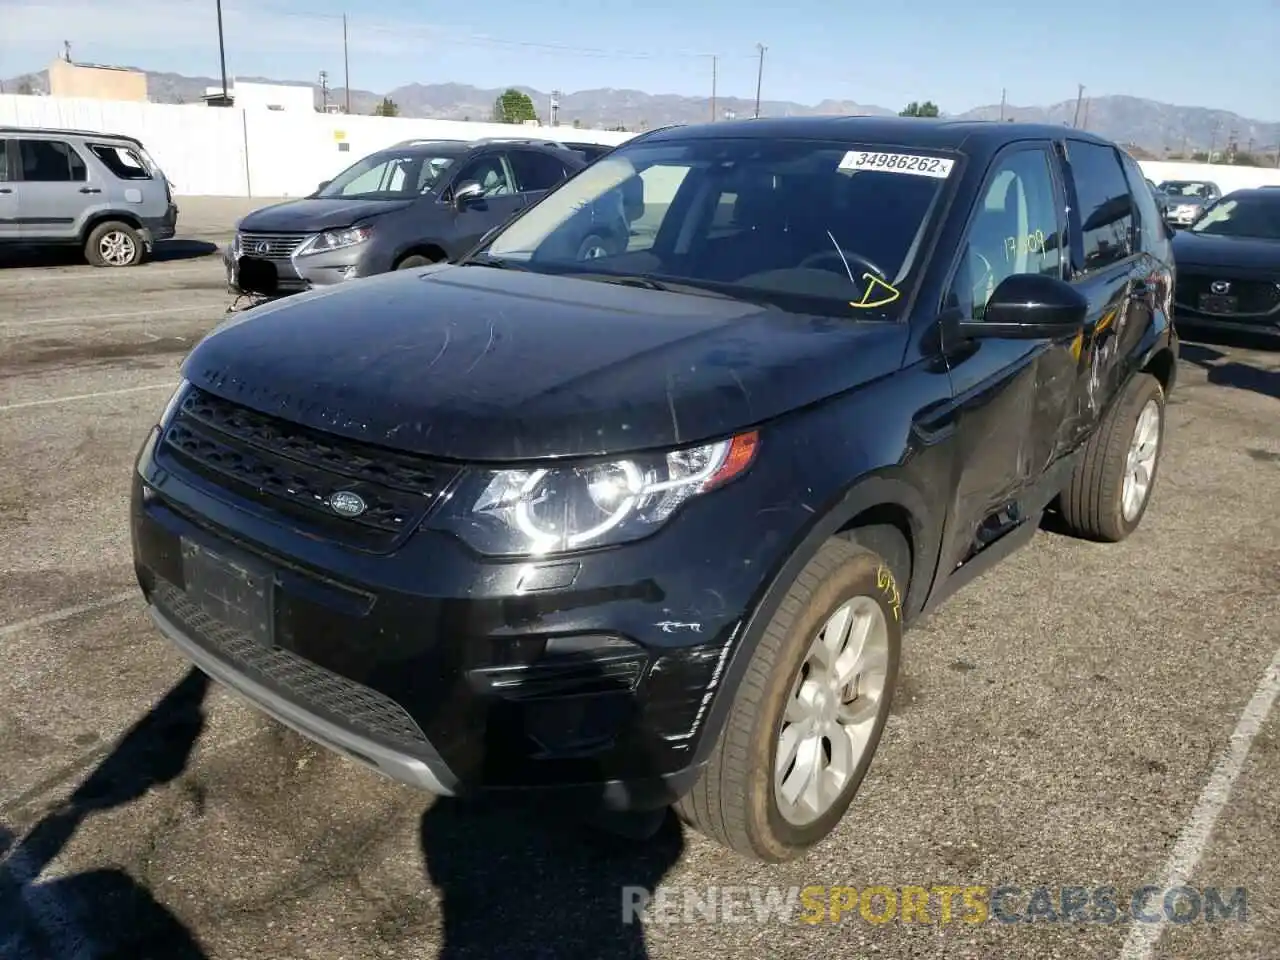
390,763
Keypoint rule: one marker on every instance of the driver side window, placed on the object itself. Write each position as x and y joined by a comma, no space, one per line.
490,172
1014,230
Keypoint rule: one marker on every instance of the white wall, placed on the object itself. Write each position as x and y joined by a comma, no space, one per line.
1227,177
234,152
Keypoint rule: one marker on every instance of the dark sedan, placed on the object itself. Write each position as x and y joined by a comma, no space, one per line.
1229,265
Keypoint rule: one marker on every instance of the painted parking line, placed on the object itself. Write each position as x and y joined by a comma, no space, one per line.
95,317
66,613
27,404
1194,838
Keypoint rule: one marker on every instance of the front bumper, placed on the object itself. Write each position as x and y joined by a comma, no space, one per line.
454,674
285,275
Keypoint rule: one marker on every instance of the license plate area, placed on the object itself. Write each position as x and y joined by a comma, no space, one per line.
1218,303
236,593
258,276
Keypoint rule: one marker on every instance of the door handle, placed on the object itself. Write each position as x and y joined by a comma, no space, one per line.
5,190
90,190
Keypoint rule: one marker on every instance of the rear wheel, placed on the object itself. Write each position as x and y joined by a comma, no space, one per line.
114,244
808,716
1116,474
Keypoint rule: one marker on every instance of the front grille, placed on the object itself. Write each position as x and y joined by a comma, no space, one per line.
295,470
279,246
1254,296
320,691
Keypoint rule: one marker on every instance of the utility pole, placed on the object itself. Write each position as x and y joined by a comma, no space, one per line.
1002,98
713,88
1084,124
222,55
759,75
346,64
66,48
1079,99
1213,140
324,91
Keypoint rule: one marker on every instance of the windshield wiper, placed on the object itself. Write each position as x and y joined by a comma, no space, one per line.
485,260
668,286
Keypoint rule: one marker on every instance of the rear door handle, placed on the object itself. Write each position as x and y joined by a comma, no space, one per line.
90,190
5,190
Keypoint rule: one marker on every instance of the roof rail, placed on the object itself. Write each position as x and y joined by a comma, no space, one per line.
416,141
67,132
539,141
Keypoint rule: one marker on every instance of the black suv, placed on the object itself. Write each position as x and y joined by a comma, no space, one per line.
419,202
648,527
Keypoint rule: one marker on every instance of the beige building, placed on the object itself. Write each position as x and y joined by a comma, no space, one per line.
67,79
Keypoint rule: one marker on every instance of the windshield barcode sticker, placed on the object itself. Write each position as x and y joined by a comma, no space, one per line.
918,166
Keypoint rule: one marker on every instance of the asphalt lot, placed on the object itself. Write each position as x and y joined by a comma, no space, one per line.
1086,715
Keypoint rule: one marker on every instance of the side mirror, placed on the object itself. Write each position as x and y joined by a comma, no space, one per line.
322,184
1028,306
466,192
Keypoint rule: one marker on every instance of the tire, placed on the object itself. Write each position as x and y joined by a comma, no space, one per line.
414,261
114,244
594,246
1093,504
736,800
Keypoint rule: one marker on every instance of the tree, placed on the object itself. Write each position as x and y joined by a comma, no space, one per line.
513,107
914,109
24,88
577,124
387,108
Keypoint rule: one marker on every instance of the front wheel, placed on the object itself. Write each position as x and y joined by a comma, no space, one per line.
414,261
809,713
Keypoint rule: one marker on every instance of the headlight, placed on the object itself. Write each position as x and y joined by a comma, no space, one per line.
172,405
336,240
556,509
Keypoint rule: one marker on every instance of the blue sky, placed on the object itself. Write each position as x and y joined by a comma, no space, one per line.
883,53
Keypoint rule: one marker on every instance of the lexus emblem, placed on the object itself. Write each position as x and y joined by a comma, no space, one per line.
1220,287
347,504
263,247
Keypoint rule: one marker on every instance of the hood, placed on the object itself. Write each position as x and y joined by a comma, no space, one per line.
1240,253
312,216
481,364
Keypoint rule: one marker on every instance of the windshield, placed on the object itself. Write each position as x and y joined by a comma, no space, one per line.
828,227
1185,188
1247,215
390,175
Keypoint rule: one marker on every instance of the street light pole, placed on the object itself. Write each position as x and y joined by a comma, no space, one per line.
222,54
759,75
346,64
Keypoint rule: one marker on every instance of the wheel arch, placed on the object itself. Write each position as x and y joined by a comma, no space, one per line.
95,220
873,501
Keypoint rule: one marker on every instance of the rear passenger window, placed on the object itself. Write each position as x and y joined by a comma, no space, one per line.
121,161
50,161
1106,207
4,160
535,171
1150,223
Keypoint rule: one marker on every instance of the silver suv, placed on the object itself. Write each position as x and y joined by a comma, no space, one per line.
98,191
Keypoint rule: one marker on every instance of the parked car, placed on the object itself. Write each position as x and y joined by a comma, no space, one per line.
416,203
1229,265
1186,198
1162,202
101,192
648,527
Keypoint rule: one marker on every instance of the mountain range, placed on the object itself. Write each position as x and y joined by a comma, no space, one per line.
1152,126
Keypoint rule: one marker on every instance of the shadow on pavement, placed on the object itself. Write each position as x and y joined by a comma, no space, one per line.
1226,372
101,913
518,880
165,251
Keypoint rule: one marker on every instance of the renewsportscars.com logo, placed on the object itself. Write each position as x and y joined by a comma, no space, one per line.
935,904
